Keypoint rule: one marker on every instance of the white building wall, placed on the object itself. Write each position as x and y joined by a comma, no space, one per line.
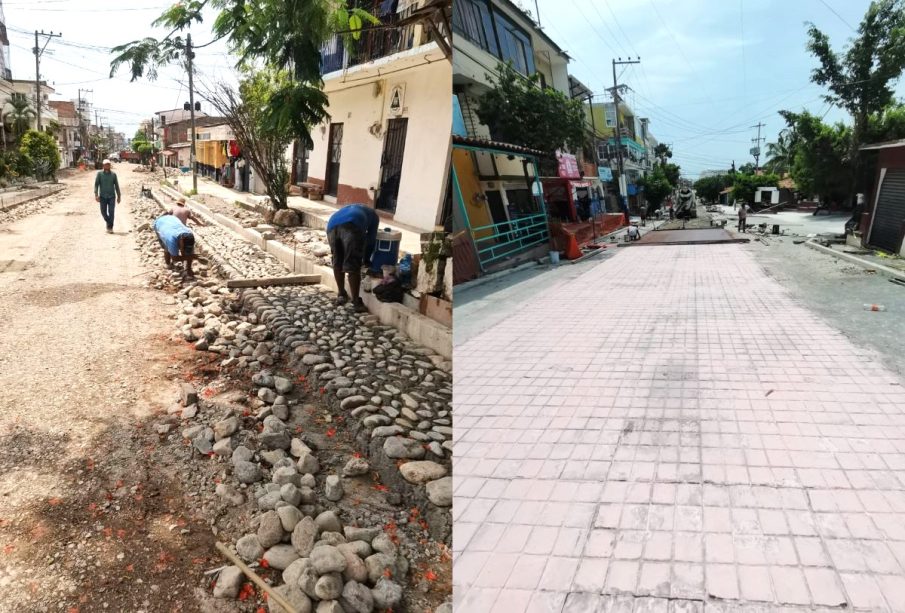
428,107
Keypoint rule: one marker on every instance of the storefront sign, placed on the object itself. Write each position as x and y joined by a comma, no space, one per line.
568,166
605,173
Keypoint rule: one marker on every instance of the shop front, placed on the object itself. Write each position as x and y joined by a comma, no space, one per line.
577,209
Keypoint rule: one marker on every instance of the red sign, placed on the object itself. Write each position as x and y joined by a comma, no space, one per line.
568,166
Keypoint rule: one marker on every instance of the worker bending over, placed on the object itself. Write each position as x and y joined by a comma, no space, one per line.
352,234
177,240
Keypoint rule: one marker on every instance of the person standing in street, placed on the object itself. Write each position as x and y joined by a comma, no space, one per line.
352,234
742,217
106,192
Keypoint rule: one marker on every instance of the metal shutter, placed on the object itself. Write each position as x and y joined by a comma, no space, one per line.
890,213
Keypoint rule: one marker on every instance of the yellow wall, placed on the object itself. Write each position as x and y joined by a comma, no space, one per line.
469,185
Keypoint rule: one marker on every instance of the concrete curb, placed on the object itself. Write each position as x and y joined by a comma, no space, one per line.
18,198
421,329
886,270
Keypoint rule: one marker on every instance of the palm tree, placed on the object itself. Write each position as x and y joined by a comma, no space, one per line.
18,118
779,154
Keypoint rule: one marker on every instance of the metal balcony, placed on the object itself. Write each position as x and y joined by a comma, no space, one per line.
376,42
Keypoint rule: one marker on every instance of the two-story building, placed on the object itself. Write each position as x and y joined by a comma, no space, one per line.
636,141
501,217
386,142
69,135
172,129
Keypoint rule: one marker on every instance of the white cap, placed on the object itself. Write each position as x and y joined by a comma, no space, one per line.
106,161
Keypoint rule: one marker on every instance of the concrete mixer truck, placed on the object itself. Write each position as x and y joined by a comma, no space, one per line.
686,204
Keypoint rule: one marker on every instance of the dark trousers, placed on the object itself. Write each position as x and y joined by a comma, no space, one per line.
107,206
742,224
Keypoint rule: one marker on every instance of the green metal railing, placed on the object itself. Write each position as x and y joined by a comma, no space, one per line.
510,237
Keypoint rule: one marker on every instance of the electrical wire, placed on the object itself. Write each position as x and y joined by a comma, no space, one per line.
833,11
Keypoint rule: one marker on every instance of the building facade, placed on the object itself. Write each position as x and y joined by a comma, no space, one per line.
69,136
388,103
883,219
501,216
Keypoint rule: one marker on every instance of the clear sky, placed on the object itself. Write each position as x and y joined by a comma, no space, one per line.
81,58
709,68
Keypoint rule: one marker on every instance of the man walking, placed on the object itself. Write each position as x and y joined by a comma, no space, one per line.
106,192
352,234
742,217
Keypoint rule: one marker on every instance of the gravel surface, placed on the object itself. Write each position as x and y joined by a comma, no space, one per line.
85,512
837,290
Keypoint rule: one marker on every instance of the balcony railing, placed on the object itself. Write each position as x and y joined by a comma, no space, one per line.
376,42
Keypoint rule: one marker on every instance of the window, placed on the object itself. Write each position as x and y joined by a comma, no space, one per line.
610,116
471,19
515,46
521,203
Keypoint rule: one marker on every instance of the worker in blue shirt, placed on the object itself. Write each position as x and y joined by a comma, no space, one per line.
352,234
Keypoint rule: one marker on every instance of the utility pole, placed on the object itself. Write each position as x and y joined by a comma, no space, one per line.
153,144
593,128
756,149
38,51
83,129
189,54
619,188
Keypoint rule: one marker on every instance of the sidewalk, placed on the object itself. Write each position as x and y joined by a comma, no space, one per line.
670,431
316,213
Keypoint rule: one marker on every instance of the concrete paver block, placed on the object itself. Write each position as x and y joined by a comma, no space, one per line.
678,419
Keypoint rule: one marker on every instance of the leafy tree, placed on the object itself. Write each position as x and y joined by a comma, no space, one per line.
521,112
672,172
40,153
657,186
820,160
887,125
246,112
861,79
284,35
746,169
745,185
709,188
20,115
662,152
142,146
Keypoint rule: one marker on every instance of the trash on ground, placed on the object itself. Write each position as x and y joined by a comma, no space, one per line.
874,307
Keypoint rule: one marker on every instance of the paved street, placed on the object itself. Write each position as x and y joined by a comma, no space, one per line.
672,431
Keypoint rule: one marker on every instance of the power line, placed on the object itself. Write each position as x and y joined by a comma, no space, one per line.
833,11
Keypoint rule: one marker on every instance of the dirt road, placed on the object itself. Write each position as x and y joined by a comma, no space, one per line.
87,521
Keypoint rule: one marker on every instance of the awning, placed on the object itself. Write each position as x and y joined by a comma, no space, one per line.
167,152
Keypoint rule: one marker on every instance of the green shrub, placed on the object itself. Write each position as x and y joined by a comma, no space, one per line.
40,154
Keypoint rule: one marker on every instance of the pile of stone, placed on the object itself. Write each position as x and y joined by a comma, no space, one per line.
327,566
394,395
15,213
312,244
343,569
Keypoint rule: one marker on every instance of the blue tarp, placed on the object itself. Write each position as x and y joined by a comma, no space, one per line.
169,229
